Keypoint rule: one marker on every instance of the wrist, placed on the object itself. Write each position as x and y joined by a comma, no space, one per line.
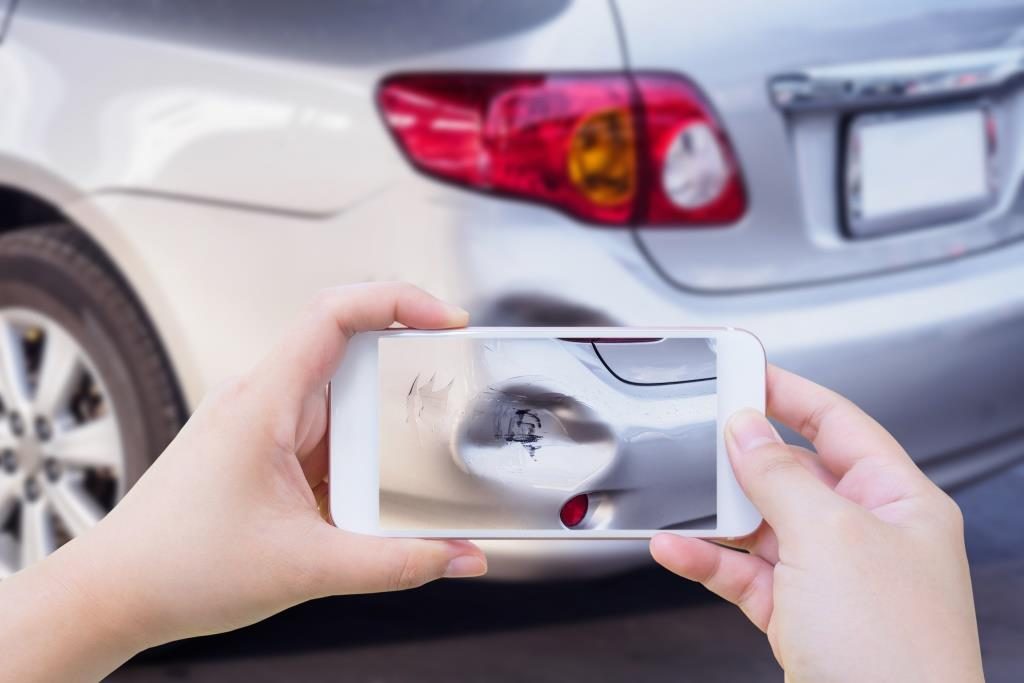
101,621
66,619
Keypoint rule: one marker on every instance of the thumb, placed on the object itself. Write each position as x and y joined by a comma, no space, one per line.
371,564
788,495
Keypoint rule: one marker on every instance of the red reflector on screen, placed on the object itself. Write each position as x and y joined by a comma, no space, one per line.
605,148
574,510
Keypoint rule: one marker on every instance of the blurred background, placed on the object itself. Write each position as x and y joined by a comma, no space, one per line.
843,178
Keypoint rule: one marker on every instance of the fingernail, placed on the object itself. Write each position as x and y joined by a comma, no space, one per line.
660,542
457,314
750,429
465,566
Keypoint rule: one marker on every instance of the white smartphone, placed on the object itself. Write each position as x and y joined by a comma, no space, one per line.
541,432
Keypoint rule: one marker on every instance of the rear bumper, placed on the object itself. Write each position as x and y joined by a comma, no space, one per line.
933,353
541,560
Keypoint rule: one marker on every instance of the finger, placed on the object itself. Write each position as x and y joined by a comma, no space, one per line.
763,542
320,494
304,360
743,580
842,433
814,465
788,495
312,424
356,563
316,462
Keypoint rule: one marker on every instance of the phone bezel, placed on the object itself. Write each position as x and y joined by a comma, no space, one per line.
353,406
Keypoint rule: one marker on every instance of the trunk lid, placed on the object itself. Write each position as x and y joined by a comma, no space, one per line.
744,56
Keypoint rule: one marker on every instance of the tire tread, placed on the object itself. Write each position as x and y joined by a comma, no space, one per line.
66,248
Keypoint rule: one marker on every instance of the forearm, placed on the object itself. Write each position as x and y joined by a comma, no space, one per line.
59,621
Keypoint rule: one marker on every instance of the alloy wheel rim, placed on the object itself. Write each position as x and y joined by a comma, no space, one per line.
62,464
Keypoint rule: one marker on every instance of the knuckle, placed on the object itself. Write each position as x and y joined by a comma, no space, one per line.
400,291
774,461
846,524
407,573
830,406
810,425
323,301
949,511
398,285
750,588
711,573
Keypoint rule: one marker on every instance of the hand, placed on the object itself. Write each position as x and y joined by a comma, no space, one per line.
859,571
225,528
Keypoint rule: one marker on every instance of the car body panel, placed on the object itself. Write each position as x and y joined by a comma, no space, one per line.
791,159
307,134
655,362
933,328
5,15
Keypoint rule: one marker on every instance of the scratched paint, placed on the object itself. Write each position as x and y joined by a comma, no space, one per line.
521,432
427,402
522,427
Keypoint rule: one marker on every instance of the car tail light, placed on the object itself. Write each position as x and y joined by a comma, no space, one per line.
610,149
574,510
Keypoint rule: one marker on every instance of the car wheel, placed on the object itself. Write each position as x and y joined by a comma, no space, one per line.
87,399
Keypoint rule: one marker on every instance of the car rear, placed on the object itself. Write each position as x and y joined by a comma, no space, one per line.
880,144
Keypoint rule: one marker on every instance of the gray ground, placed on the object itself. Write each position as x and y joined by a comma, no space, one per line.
644,626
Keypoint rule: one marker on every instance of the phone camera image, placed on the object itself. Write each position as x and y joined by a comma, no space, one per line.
547,433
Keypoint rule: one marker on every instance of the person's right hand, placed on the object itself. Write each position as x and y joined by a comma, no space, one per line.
859,571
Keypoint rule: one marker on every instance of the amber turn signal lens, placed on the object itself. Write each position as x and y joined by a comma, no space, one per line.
619,149
602,157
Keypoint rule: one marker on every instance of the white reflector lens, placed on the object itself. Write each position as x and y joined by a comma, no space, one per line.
696,170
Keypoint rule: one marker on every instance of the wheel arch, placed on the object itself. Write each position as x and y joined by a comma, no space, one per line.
22,208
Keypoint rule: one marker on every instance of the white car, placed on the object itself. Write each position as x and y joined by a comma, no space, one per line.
178,179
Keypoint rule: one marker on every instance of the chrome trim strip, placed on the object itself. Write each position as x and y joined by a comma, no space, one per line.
895,82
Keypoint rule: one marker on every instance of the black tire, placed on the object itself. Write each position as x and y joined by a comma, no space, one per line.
57,271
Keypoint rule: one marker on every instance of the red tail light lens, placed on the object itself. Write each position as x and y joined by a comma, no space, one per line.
574,510
695,175
606,148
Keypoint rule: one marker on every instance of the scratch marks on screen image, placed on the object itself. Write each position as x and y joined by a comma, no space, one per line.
426,403
522,427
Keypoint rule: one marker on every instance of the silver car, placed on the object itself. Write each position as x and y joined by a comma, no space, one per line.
178,178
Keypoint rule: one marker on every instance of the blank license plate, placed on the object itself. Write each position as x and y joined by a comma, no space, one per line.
912,170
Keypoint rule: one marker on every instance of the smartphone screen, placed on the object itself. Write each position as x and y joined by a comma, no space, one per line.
546,433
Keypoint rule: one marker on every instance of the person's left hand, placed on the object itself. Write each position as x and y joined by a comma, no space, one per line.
225,528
